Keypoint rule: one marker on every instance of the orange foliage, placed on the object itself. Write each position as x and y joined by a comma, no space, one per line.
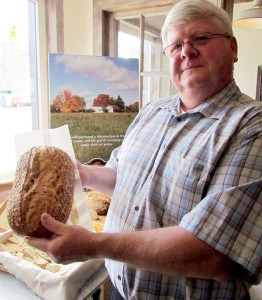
66,103
103,100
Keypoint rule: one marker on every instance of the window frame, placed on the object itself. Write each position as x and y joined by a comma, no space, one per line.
42,66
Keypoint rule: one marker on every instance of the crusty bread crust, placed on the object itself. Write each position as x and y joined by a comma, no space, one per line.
98,202
44,182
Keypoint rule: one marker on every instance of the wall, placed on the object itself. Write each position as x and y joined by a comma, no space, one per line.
78,27
249,54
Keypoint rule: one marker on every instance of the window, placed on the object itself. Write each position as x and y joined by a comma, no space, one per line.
18,77
154,76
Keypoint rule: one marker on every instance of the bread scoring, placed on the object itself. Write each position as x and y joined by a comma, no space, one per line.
44,182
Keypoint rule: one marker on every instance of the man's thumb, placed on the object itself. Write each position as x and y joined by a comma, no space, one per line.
51,224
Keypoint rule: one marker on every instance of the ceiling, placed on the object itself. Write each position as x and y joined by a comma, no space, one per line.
120,5
153,23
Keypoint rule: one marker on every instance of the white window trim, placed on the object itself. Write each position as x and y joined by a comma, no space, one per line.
43,97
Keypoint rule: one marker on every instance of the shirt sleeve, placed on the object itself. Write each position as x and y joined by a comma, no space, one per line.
113,160
229,216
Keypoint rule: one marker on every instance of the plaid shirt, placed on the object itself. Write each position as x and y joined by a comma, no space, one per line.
200,170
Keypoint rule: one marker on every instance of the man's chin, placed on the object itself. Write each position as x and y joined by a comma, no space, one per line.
193,83
193,77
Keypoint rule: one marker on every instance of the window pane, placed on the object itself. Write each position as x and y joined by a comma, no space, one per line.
154,61
128,45
155,87
155,73
18,81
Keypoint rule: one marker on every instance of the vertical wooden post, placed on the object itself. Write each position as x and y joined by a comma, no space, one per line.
55,26
141,61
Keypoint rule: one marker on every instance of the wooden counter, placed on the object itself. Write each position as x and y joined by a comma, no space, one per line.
4,191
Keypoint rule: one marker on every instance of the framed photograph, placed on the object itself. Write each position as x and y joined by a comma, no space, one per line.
97,97
259,84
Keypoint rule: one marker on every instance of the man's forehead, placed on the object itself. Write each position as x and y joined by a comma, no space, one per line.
190,28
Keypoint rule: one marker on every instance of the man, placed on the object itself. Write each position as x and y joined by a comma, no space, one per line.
185,216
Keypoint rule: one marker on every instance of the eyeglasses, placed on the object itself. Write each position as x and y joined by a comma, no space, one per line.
196,41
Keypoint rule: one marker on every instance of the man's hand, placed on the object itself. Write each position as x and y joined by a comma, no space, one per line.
68,244
98,178
171,250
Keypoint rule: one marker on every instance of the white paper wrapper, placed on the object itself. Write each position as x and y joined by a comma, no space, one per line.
60,138
81,280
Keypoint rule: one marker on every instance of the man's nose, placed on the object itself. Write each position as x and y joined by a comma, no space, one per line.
188,50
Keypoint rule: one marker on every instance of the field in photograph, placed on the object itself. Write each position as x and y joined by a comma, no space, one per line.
94,135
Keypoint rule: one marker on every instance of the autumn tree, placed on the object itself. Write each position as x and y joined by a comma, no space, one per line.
81,101
61,99
133,107
65,102
103,100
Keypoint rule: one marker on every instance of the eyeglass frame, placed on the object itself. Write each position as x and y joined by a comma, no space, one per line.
192,42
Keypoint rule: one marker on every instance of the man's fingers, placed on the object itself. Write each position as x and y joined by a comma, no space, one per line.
39,243
51,224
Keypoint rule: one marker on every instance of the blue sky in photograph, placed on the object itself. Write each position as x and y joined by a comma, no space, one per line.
88,76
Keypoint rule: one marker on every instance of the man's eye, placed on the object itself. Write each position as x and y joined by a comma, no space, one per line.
177,46
201,39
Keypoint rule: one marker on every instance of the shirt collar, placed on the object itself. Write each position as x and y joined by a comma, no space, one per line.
214,107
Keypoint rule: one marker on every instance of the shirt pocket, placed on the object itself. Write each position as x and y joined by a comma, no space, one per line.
185,189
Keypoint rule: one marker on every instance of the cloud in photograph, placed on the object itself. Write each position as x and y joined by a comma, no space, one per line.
101,68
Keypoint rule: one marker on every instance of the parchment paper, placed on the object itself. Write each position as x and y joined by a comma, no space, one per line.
81,279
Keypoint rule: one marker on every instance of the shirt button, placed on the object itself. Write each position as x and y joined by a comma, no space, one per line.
136,208
119,277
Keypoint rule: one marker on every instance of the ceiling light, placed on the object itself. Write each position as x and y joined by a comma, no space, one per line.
251,18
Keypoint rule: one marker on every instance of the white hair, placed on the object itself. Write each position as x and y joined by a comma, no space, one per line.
188,10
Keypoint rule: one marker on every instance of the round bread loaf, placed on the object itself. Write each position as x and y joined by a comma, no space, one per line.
98,202
44,182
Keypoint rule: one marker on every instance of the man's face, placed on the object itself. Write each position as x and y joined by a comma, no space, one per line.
208,67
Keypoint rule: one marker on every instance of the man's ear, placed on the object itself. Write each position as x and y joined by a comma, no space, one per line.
234,47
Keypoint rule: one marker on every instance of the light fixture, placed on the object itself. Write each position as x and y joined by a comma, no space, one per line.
251,18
